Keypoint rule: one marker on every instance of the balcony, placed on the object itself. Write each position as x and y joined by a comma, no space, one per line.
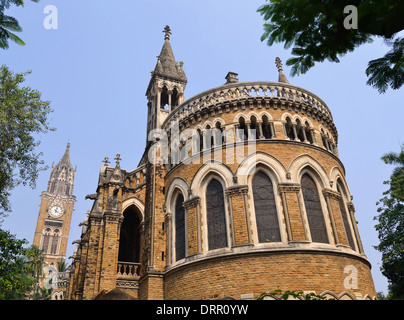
128,275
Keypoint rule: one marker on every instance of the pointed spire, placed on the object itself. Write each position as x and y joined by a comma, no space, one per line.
66,157
282,76
166,64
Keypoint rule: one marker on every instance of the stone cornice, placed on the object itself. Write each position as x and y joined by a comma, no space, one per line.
236,190
288,187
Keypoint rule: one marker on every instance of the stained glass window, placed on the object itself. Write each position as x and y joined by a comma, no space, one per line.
314,211
216,216
265,209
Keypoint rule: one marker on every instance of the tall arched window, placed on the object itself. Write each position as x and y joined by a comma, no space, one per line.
45,241
265,209
179,228
129,238
55,242
314,211
266,129
216,216
289,129
345,217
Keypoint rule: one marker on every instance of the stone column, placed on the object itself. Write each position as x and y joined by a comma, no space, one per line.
112,224
351,210
92,260
295,226
192,211
240,221
261,135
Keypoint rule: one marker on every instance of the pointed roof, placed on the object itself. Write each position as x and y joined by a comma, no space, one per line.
66,157
167,66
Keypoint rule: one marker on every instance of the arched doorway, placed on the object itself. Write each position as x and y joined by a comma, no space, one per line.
129,241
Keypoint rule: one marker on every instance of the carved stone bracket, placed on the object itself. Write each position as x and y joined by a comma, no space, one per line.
191,203
331,194
237,190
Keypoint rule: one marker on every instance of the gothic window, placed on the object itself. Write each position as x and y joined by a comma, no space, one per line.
164,99
129,238
254,128
216,216
314,211
289,129
55,242
45,241
179,228
242,134
208,137
265,209
266,129
299,130
218,132
323,138
309,133
345,217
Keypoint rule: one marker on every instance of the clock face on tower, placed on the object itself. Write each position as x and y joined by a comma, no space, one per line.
56,211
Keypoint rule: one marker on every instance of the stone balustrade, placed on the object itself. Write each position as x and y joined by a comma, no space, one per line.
128,269
242,91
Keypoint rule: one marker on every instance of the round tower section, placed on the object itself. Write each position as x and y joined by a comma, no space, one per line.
256,197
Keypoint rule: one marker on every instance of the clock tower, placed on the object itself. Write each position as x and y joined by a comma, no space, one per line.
55,213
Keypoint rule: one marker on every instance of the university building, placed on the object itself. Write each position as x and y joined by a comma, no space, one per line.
240,191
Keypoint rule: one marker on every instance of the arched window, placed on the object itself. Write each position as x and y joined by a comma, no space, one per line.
179,217
309,133
314,211
216,216
289,129
45,241
265,209
55,242
254,128
243,130
345,217
300,131
129,238
266,129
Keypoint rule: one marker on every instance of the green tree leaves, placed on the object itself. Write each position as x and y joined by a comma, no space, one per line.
8,24
23,115
315,30
391,227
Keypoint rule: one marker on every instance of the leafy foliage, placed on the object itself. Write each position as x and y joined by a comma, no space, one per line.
8,24
15,280
22,114
315,29
391,227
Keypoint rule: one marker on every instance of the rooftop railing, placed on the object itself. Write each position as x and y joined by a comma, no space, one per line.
242,91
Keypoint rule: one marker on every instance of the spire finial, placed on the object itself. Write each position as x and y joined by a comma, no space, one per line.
167,31
278,63
117,159
106,161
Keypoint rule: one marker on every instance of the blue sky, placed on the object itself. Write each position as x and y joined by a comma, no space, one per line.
96,66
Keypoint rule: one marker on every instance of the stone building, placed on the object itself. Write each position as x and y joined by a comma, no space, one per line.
240,191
